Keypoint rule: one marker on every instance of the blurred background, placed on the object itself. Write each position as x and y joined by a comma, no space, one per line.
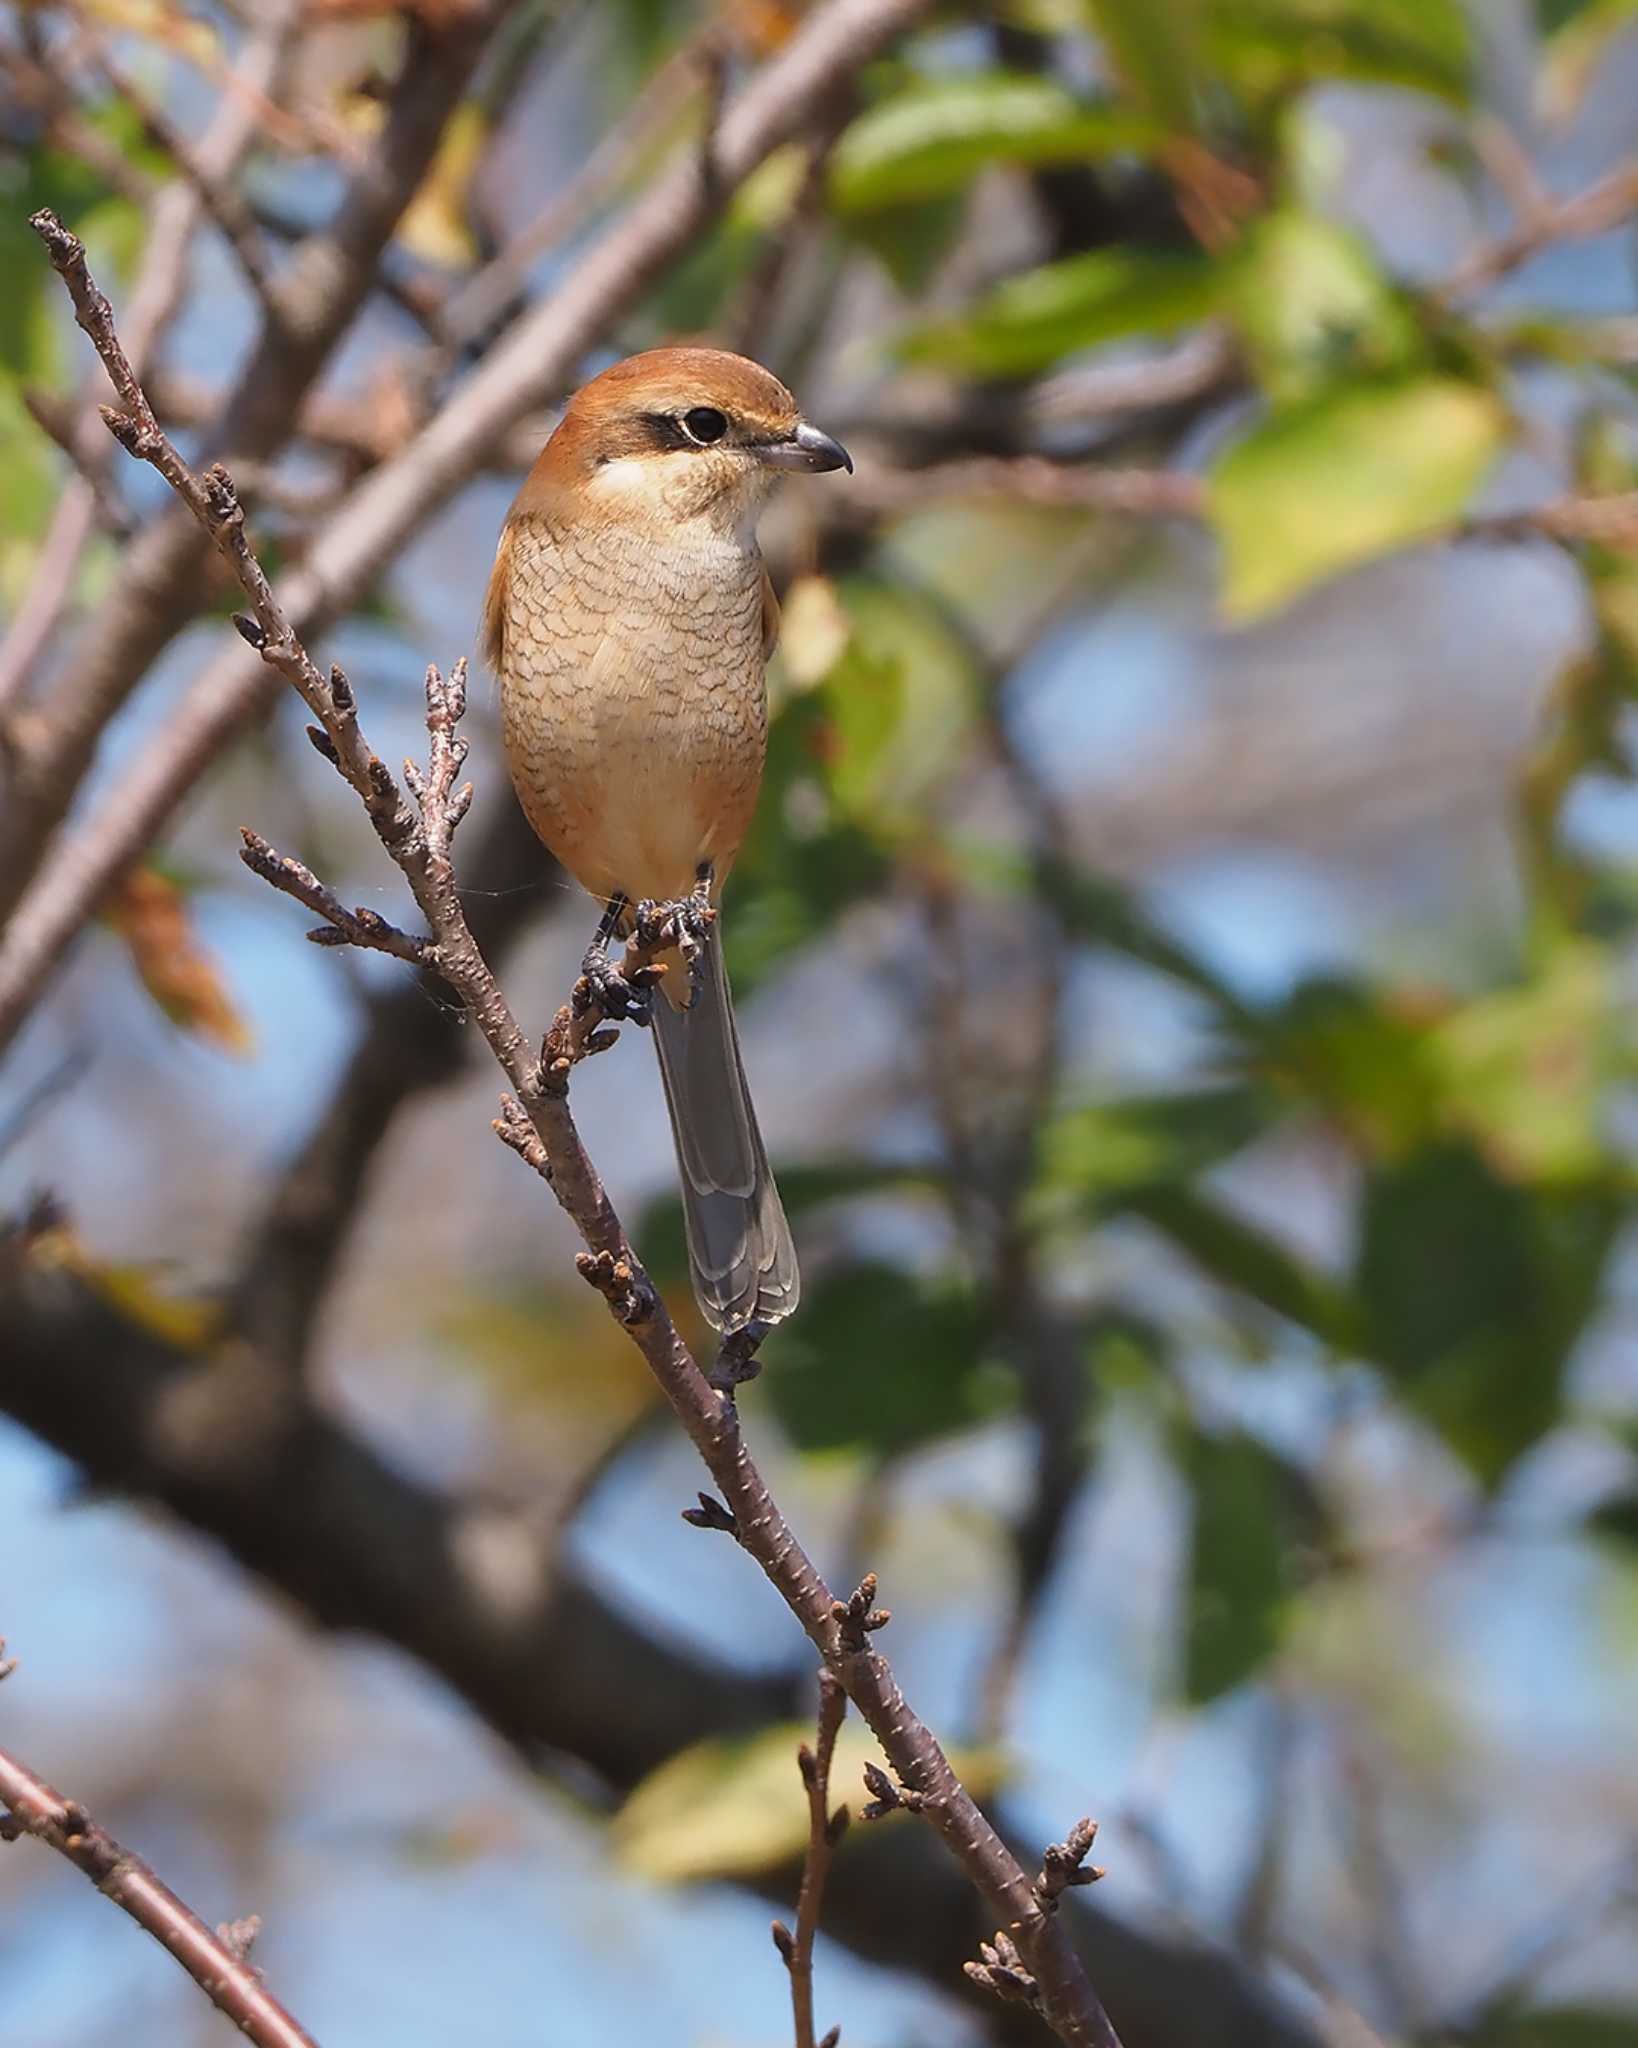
1185,961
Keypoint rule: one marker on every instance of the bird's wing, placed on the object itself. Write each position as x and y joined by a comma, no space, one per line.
494,601
770,617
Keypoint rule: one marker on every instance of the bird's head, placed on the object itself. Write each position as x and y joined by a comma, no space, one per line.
680,434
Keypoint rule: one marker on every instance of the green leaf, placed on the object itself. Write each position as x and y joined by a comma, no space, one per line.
879,1360
1247,1260
734,1806
909,241
1102,912
1580,39
928,140
1031,321
1154,47
1312,303
1562,2026
1138,1158
1616,1520
1348,475
1107,1151
1363,1056
1474,1289
1246,1505
803,862
1269,48
28,464
1524,1069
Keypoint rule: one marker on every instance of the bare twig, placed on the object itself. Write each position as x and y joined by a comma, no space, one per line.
154,300
220,198
825,1830
418,837
160,585
217,1962
1595,211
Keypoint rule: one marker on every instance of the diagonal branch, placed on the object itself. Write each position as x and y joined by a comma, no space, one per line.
417,837
217,1962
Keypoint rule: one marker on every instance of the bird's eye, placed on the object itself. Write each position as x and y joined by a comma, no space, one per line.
704,424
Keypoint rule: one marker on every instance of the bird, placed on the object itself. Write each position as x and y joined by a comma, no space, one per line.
629,619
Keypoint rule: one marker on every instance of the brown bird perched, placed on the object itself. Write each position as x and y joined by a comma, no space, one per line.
629,618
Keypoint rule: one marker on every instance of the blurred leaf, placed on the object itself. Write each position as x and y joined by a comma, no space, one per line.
1311,303
802,862
879,1360
1524,1069
1268,48
1246,1259
1104,1152
1102,912
1363,1056
150,913
927,140
909,241
1154,48
1138,1158
1346,476
434,226
1580,38
1030,321
734,1807
185,1322
28,464
901,701
1474,1289
814,629
1616,1520
850,764
1244,1511
1562,2026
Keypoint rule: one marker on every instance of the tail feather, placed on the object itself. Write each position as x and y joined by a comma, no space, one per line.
739,1244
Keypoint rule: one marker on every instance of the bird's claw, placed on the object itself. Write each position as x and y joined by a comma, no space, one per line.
614,995
684,924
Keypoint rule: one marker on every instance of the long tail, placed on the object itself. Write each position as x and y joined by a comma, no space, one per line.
739,1244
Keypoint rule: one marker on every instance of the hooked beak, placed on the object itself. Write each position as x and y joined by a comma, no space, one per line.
808,450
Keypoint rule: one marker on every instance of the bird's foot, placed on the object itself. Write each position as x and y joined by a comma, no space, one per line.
619,994
683,925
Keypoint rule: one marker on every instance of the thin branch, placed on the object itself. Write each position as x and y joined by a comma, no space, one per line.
825,1830
220,198
154,300
418,838
216,1961
1595,211
160,585
484,298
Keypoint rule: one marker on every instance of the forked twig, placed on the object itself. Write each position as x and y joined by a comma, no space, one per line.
218,1962
825,1830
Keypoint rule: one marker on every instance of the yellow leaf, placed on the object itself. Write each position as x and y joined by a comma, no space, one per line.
1352,473
433,226
814,630
151,915
178,1320
733,1806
